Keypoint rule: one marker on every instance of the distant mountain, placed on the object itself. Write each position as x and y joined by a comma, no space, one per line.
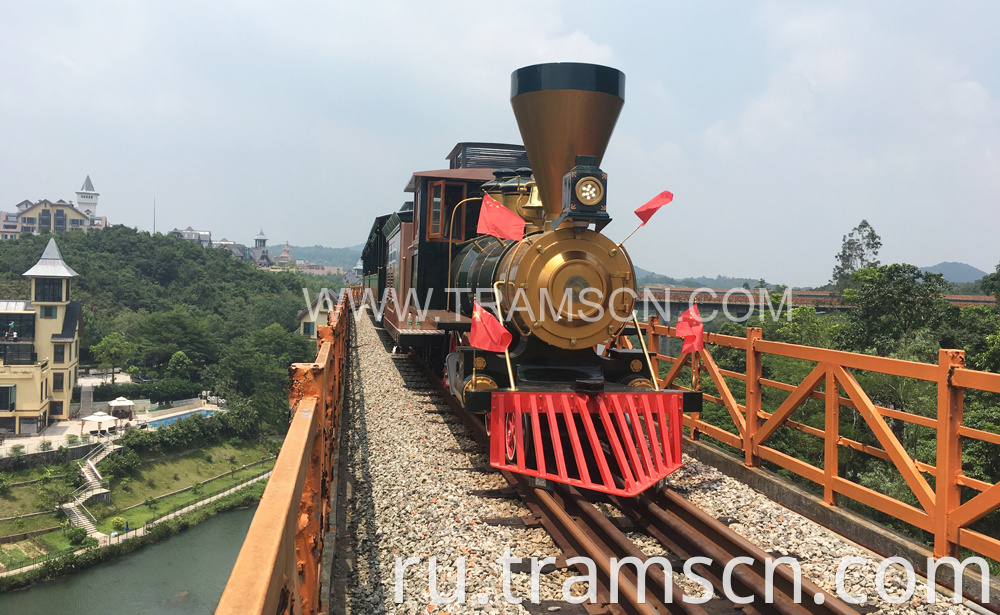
956,272
646,277
331,257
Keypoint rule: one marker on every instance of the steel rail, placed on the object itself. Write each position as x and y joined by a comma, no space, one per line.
577,526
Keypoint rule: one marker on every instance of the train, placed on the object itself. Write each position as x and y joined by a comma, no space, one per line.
573,400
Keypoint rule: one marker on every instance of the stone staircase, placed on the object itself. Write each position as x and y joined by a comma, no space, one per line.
76,515
95,488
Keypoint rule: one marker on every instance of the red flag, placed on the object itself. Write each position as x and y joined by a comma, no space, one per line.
646,211
689,326
497,220
487,333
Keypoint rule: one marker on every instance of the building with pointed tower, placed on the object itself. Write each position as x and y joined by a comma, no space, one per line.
86,199
45,216
39,348
258,254
285,258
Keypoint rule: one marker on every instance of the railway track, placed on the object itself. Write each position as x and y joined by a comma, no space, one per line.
580,528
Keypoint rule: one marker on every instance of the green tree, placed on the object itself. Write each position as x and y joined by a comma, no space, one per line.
859,251
114,350
991,283
180,366
890,302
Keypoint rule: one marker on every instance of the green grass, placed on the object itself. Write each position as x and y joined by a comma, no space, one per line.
26,499
25,552
11,556
56,541
141,515
30,524
162,477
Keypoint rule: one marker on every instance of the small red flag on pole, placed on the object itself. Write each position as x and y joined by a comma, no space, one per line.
487,332
690,328
646,211
497,220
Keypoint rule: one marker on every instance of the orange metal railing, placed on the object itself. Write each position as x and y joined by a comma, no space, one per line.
279,566
940,509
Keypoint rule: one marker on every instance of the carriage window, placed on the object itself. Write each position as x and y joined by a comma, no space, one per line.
434,209
442,199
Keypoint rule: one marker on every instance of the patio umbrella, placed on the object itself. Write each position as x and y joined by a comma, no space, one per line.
121,402
98,417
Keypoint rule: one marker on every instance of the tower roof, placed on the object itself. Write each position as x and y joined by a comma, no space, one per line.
88,186
51,264
260,235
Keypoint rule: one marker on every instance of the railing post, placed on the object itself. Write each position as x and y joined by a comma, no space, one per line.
948,496
695,385
831,463
653,345
753,398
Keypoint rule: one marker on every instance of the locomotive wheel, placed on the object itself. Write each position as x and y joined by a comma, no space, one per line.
510,437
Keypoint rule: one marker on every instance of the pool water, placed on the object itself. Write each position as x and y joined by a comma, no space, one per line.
176,417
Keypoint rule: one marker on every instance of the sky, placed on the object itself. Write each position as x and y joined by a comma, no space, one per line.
779,126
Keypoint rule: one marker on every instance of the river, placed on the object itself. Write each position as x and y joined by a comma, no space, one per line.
185,573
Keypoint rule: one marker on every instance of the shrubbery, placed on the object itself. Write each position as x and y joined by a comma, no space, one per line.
170,389
239,422
76,535
126,463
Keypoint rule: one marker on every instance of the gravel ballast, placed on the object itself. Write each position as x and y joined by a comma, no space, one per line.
413,467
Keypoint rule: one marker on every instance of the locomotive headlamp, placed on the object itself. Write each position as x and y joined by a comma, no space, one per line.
589,191
585,193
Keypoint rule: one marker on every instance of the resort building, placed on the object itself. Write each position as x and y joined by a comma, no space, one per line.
258,254
202,237
45,216
307,323
39,348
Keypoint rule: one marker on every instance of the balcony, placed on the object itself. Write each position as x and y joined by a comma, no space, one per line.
18,353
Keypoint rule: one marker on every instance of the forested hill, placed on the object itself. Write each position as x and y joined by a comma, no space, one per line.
646,277
126,275
956,272
331,257
160,295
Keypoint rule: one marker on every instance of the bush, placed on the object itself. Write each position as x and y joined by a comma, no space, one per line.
4,485
118,524
76,535
170,389
17,450
45,445
122,464
72,439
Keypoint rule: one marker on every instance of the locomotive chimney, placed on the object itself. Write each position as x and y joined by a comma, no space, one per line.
564,110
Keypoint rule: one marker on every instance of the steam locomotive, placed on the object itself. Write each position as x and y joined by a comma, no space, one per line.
572,401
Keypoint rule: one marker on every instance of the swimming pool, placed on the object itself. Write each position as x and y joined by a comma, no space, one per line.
170,419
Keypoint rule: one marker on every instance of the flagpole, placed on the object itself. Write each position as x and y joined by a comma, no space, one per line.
506,351
649,362
629,236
